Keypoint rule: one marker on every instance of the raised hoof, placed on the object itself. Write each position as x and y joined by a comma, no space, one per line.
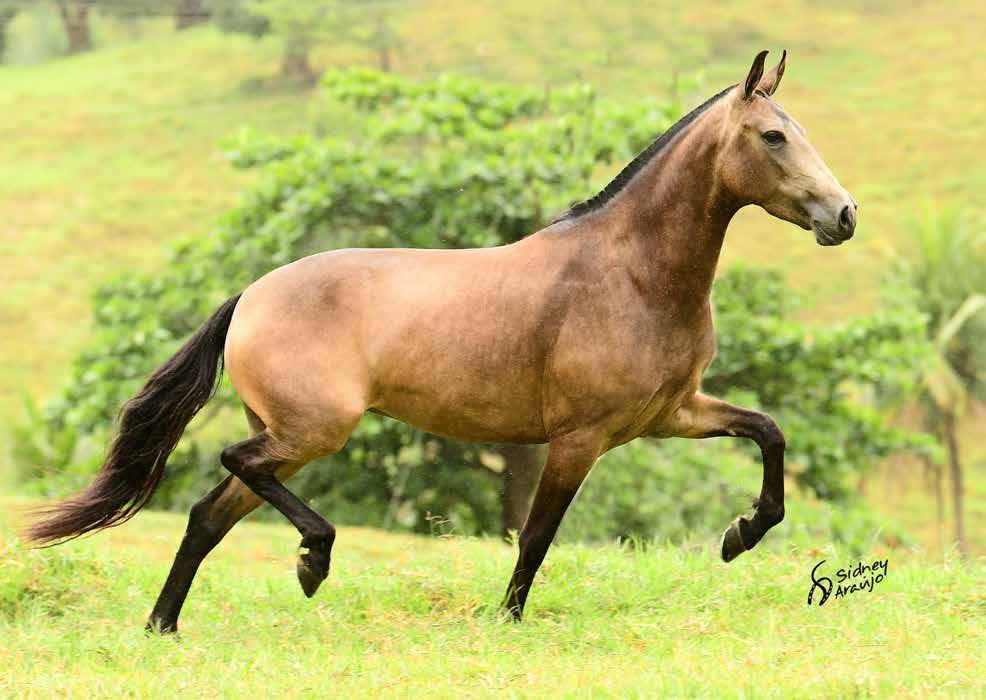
309,576
732,542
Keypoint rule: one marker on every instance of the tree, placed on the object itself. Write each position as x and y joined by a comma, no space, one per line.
947,274
8,11
75,16
75,19
303,26
231,16
368,23
188,13
300,26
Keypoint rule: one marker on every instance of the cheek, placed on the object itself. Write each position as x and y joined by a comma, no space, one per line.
794,180
757,173
785,175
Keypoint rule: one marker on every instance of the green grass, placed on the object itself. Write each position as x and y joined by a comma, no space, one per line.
412,616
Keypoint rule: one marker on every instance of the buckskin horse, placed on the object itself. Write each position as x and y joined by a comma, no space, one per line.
585,335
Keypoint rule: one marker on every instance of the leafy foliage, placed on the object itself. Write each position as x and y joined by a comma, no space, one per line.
822,384
947,274
457,162
947,279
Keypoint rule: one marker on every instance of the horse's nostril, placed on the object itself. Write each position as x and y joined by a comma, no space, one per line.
846,222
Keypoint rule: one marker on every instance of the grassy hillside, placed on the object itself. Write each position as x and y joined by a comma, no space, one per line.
408,616
107,158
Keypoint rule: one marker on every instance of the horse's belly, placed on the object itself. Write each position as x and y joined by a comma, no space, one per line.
482,384
465,411
462,381
461,357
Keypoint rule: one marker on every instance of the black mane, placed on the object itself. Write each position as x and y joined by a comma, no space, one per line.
598,200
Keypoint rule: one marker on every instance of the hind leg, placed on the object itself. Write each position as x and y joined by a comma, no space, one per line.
255,462
208,522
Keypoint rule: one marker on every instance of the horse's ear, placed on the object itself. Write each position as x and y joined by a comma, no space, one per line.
753,77
772,79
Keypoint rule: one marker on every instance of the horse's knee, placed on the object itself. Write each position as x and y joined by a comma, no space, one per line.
771,437
204,529
248,457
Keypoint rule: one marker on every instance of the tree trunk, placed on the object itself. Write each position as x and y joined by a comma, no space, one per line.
6,17
75,18
188,13
955,471
383,43
521,475
933,475
383,57
295,66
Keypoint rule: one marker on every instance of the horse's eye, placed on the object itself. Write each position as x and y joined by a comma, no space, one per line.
773,138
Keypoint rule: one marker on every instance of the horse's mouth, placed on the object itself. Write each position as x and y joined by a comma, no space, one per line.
824,238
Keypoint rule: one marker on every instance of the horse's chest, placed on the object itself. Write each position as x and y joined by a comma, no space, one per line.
674,373
666,355
628,377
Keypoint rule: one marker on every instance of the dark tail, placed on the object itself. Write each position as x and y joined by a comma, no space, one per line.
150,425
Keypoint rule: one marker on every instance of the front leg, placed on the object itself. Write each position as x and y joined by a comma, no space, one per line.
704,417
569,460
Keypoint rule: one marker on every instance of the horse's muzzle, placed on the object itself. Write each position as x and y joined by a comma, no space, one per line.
840,230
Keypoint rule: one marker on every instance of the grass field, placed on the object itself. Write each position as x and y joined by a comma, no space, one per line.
404,616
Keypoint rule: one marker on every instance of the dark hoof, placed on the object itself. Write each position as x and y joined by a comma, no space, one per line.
310,575
732,542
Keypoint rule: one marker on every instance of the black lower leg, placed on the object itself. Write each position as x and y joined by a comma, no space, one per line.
566,467
534,541
206,527
250,461
745,532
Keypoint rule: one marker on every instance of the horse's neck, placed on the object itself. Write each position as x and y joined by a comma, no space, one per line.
671,221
